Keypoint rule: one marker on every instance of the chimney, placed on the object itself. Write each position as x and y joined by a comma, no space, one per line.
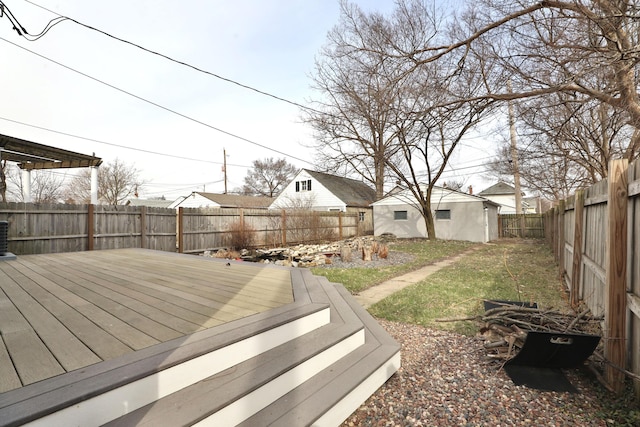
470,190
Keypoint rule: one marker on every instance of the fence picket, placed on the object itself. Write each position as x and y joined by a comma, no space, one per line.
606,262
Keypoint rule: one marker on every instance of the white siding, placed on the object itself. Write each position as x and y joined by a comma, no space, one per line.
319,197
467,221
506,201
197,201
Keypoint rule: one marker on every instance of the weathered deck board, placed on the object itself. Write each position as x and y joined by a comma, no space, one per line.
31,358
103,344
85,307
10,379
148,307
172,285
84,290
67,349
222,281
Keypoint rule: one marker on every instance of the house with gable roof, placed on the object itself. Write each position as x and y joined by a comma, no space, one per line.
325,192
505,195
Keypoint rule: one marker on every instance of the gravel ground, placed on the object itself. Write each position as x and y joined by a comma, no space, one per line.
447,380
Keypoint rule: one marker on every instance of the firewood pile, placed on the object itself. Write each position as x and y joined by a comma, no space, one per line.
505,327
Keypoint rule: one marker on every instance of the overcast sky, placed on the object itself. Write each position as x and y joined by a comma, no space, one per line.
268,45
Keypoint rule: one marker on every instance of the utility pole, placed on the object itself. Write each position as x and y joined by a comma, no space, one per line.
514,154
516,168
224,169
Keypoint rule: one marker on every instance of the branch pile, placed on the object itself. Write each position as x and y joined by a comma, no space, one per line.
504,328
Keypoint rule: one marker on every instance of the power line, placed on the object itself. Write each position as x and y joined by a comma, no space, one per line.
185,64
155,104
173,156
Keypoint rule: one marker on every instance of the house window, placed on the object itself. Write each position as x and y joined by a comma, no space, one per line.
399,215
443,214
303,185
361,216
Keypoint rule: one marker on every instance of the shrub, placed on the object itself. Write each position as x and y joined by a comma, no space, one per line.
240,235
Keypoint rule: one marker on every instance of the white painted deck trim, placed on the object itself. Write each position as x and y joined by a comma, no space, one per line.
262,397
341,411
118,402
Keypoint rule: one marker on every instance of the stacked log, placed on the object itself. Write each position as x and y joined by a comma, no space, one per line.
504,328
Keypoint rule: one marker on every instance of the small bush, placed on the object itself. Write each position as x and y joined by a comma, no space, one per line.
240,235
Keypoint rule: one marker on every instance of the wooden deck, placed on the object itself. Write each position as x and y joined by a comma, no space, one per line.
63,312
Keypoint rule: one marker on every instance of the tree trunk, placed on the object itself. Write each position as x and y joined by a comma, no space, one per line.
431,225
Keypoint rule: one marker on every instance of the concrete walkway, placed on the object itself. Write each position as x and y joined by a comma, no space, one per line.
372,295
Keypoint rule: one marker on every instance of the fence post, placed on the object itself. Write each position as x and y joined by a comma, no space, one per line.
616,310
555,232
561,238
340,225
576,273
180,230
284,228
90,226
143,227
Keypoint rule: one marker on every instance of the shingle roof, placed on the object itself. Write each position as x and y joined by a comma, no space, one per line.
497,189
350,191
237,201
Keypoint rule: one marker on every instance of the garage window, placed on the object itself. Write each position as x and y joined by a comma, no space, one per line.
443,214
399,215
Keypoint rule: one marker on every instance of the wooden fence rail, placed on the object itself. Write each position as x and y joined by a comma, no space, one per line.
50,228
595,236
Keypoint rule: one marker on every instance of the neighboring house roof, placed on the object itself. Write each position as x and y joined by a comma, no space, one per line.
152,203
501,188
236,201
350,191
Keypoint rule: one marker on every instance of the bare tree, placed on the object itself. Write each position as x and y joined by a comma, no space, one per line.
359,86
46,186
268,177
565,142
574,47
388,115
116,182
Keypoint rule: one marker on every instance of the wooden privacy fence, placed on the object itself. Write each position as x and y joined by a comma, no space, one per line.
203,229
521,225
50,228
595,235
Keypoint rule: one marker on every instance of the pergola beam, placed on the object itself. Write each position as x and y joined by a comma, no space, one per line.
31,155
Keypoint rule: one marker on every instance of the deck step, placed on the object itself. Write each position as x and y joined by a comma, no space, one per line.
312,362
105,391
231,396
318,379
332,395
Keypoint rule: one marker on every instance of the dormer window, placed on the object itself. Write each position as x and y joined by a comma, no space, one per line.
303,185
